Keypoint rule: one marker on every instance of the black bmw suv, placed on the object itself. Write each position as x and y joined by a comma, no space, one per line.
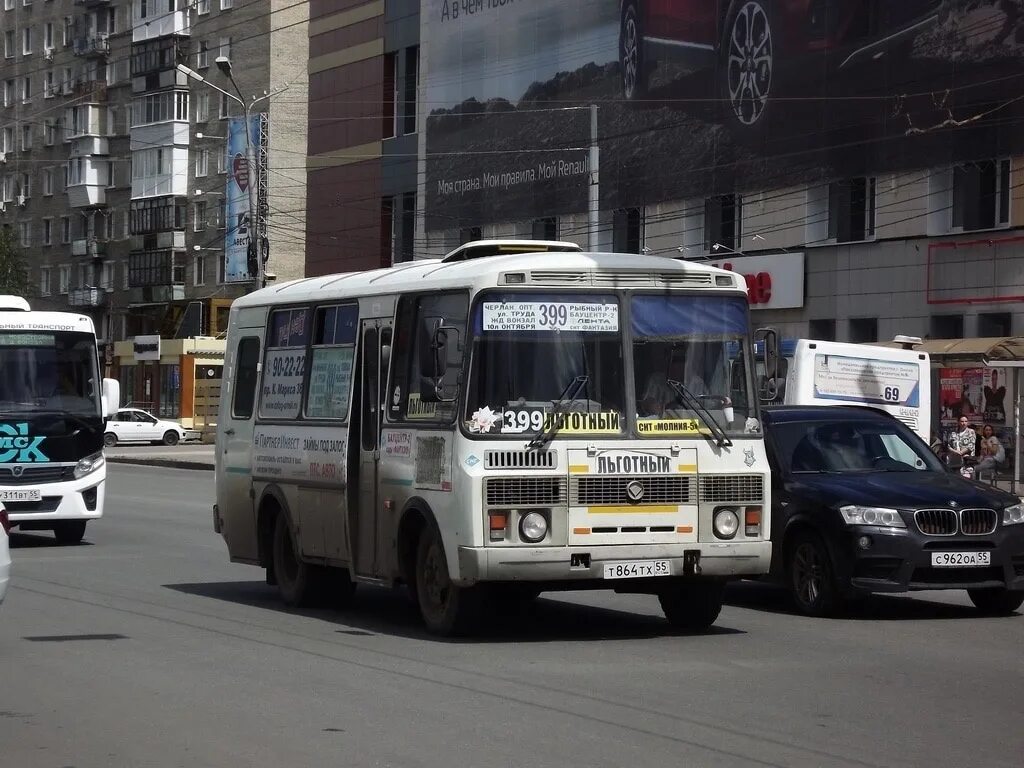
860,505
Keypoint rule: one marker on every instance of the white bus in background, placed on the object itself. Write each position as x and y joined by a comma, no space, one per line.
53,407
897,381
474,427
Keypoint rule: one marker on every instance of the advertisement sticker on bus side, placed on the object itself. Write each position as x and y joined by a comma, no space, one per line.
866,380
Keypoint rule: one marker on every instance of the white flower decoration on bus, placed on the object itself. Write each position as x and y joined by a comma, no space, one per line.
483,420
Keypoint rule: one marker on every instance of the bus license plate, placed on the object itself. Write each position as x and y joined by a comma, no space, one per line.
637,569
21,494
961,559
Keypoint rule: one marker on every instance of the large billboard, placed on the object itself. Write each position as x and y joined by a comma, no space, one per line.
703,97
240,184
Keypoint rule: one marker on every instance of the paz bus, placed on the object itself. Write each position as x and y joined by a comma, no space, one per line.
513,418
53,407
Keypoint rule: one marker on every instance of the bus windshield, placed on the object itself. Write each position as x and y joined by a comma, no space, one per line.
47,372
692,363
532,351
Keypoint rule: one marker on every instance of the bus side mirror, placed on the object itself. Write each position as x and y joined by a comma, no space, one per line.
770,384
111,397
433,359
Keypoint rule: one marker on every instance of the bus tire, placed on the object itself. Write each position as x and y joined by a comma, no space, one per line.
296,579
69,531
447,609
693,606
338,587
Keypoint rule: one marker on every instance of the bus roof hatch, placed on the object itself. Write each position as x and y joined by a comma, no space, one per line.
480,249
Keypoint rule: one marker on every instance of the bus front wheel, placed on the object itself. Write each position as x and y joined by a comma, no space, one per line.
69,531
446,608
693,606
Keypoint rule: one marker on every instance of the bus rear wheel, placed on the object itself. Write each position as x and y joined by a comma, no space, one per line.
296,580
447,609
693,606
69,531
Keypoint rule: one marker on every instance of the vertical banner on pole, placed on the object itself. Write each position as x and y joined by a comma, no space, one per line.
236,203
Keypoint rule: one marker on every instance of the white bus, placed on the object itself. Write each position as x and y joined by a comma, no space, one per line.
53,406
483,426
897,381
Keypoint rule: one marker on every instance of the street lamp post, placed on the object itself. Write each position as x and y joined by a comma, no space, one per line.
252,169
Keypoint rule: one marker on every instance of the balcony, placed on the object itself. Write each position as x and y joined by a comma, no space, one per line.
93,45
175,23
94,91
86,195
90,247
93,3
89,145
157,269
87,297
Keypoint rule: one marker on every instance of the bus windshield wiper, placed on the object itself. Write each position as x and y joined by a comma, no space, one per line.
547,432
694,404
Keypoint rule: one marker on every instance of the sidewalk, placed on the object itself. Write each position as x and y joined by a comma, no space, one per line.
190,456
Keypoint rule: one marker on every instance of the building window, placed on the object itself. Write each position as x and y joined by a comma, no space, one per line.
389,101
48,36
823,330
851,210
628,230
198,216
160,107
199,270
50,85
412,67
222,161
65,229
26,41
203,7
224,49
47,181
44,281
156,268
946,327
227,5
992,325
170,388
981,195
157,215
224,112
723,222
107,276
546,228
25,233
203,163
26,138
50,132
9,44
202,107
63,279
203,55
25,185
26,89
7,143
863,330
8,93
408,226
470,234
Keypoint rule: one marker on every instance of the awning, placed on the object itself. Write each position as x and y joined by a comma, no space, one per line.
996,352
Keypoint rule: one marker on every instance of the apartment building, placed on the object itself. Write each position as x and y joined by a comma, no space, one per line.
115,169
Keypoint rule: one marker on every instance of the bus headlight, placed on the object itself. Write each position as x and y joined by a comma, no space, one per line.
88,465
533,527
727,522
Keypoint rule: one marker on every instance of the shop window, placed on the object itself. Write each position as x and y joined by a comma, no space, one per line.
723,222
947,327
863,330
628,230
170,392
981,195
823,330
851,210
246,362
993,324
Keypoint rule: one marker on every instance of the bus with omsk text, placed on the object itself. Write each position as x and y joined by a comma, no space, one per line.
53,407
517,417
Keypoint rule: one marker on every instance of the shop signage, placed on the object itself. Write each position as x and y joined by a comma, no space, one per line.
146,348
775,281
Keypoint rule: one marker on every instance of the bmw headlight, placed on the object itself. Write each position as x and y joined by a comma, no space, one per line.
881,517
1013,515
88,465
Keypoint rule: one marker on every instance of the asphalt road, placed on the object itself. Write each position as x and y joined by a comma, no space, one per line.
145,647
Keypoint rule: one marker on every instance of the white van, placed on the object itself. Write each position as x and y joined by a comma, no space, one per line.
897,381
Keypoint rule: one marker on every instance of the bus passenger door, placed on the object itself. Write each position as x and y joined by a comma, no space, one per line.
376,338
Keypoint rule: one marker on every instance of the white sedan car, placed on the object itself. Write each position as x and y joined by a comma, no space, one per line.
5,553
133,425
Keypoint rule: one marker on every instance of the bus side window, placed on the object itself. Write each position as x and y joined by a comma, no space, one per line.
246,361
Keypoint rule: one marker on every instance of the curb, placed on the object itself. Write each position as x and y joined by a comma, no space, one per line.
167,463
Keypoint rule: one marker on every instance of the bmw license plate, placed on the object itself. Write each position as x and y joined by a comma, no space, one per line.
21,494
637,569
961,559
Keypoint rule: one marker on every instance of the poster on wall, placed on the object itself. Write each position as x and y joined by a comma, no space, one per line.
977,393
236,199
697,98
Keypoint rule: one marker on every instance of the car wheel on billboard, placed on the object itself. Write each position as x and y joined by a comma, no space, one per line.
747,69
631,52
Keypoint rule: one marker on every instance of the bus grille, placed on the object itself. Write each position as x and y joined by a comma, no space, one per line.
977,522
936,522
525,491
716,489
46,473
658,489
520,459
